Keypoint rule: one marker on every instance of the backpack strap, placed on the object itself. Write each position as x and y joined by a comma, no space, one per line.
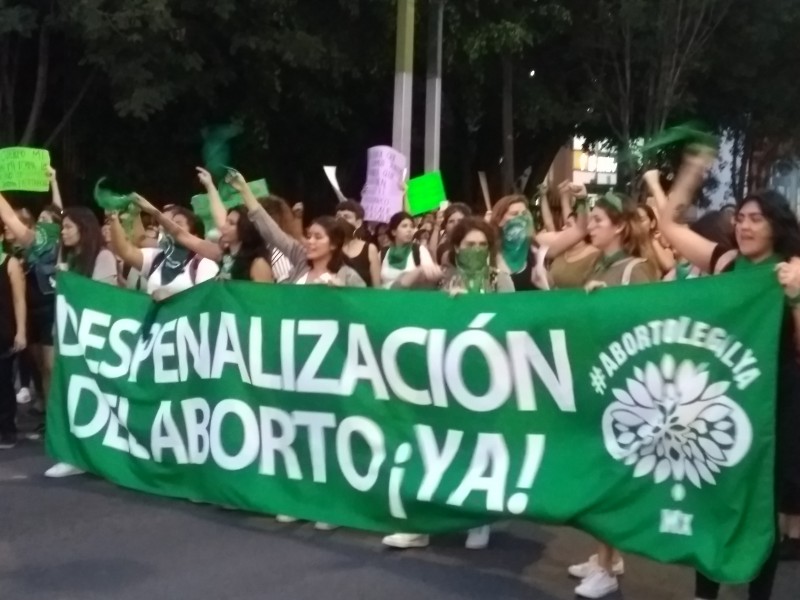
384,252
415,253
632,264
193,266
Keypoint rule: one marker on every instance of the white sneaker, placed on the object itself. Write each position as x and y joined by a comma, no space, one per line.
478,538
285,519
23,396
406,540
320,526
583,570
59,470
597,585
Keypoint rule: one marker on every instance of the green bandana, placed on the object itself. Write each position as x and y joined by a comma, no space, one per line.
742,262
473,268
606,262
613,200
175,258
516,241
398,256
226,266
682,270
45,239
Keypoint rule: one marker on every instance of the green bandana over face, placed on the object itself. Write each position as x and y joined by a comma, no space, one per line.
398,256
175,258
516,240
473,268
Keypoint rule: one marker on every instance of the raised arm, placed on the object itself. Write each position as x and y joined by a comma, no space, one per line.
54,190
182,237
17,279
692,246
433,241
121,246
23,234
218,212
269,230
547,213
558,242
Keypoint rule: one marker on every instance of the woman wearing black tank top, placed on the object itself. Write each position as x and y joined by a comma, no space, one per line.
12,340
360,255
767,234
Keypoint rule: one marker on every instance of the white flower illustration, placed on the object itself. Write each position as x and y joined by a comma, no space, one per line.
670,422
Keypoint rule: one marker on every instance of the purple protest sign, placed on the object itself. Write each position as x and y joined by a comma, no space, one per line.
383,192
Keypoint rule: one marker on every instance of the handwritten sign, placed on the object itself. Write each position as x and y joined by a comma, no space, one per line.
24,170
425,193
383,192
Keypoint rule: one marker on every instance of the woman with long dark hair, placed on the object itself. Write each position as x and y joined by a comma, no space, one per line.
403,254
13,340
83,252
82,247
767,234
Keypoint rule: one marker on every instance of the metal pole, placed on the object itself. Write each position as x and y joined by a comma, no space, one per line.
433,93
404,78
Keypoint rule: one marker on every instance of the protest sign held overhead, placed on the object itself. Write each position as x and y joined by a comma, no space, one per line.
24,170
383,190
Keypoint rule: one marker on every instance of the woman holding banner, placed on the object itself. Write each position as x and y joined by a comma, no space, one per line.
767,234
521,253
615,230
320,260
472,270
171,268
403,255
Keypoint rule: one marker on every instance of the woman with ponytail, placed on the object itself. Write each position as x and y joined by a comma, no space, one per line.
616,231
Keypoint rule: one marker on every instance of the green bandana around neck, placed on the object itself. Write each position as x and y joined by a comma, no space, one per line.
226,266
473,268
516,241
175,258
398,256
742,262
604,263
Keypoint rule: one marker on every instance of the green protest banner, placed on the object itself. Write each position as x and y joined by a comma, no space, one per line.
642,415
24,170
425,193
230,199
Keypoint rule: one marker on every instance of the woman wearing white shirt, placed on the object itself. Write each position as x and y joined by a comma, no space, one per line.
170,268
403,254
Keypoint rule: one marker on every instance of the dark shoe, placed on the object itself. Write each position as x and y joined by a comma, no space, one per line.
8,441
789,549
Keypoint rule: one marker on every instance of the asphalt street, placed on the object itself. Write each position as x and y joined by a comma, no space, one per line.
84,539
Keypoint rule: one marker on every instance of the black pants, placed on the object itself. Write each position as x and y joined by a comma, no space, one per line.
760,587
27,371
8,398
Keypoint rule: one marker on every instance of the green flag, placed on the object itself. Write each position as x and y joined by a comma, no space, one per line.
24,170
642,415
425,193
